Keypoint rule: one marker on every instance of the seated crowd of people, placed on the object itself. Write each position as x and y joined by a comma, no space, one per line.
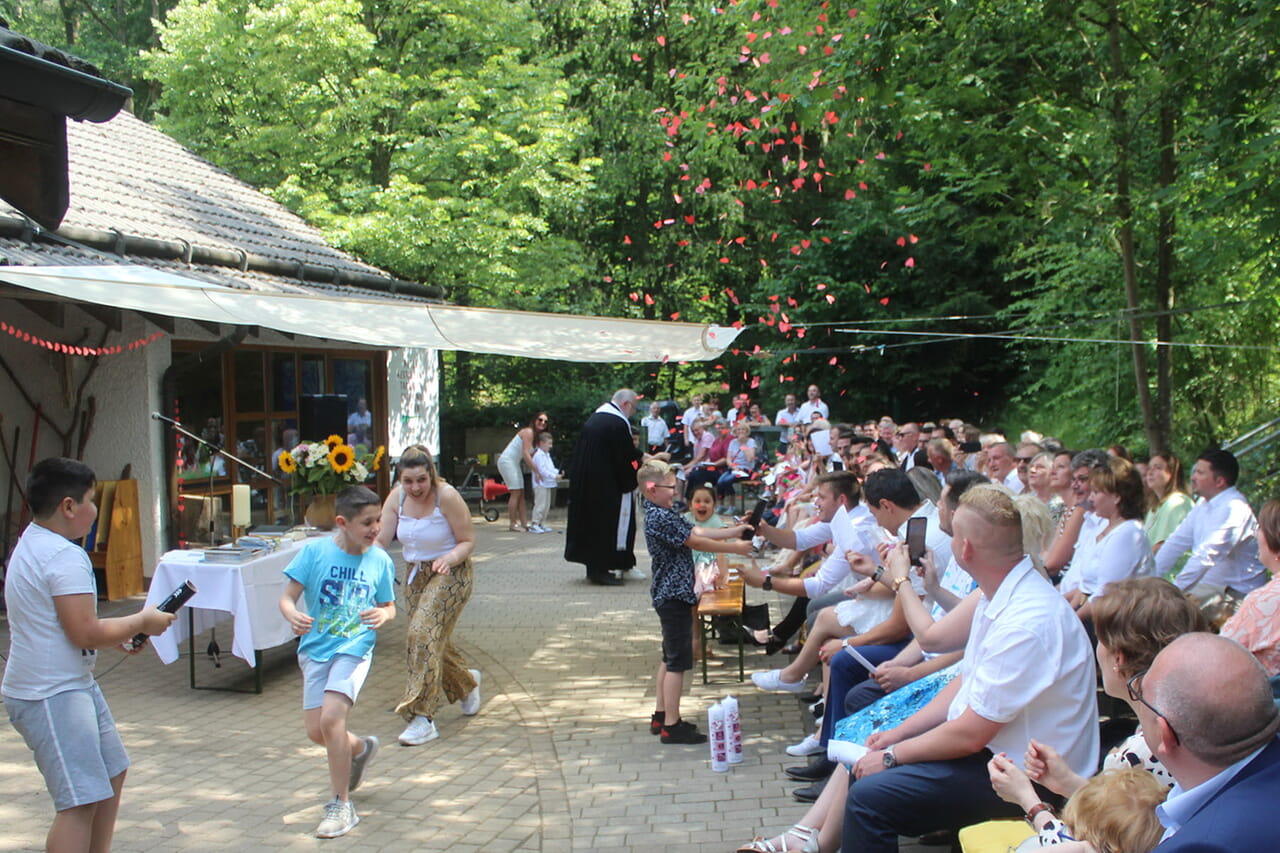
959,677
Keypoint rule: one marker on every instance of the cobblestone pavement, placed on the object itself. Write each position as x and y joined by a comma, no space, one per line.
558,759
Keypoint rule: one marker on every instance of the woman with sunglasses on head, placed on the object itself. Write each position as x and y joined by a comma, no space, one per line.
517,458
1114,549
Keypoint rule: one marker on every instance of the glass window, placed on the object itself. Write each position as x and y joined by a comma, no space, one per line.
199,408
351,376
252,447
250,382
284,382
312,374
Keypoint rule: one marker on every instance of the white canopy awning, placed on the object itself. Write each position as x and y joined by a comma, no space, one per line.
381,322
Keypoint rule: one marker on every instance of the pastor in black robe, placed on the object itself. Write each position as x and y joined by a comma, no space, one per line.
601,528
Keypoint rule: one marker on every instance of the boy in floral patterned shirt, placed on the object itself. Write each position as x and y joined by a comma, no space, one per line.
671,542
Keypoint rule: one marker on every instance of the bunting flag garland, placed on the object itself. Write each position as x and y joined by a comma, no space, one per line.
85,352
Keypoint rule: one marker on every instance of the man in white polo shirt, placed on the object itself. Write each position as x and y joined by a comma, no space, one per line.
813,405
1027,672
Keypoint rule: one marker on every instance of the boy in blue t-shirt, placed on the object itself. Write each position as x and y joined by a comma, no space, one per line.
670,539
346,583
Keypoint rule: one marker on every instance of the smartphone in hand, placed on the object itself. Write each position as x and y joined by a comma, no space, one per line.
754,521
915,539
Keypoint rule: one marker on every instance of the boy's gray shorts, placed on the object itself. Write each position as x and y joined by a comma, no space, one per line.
75,743
344,674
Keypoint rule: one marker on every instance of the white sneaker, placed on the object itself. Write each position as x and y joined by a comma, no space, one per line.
471,704
419,731
811,745
339,819
634,574
772,680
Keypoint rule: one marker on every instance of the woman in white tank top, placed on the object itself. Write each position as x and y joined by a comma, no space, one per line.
433,524
519,450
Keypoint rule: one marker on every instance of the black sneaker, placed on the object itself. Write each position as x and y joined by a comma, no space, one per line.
682,732
655,723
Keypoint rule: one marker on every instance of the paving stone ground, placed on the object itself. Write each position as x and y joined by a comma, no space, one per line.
559,759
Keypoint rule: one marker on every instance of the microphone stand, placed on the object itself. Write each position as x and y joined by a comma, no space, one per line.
214,452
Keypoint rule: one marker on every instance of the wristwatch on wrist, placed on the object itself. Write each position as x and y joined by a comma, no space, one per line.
877,574
767,586
899,582
1035,810
890,760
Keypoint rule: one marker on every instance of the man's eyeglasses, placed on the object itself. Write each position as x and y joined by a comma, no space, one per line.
664,485
1024,460
1083,479
1134,686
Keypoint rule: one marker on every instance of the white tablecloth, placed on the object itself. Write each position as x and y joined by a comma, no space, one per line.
248,593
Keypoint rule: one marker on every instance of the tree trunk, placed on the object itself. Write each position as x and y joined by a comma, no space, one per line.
70,21
1124,212
1166,230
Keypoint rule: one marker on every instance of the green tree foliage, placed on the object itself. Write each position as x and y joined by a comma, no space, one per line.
755,187
886,194
107,33
420,136
1094,171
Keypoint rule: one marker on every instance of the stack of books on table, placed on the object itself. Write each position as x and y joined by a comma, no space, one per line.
231,554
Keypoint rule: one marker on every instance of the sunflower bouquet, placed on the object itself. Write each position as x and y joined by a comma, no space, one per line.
328,466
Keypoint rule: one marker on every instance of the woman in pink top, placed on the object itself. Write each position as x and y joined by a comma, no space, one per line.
1256,625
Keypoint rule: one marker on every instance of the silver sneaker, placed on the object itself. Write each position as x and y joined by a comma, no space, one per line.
361,761
418,732
471,704
339,819
634,574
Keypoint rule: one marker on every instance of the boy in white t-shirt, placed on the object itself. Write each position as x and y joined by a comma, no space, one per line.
545,476
346,581
54,634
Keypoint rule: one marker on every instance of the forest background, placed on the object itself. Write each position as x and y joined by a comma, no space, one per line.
1058,216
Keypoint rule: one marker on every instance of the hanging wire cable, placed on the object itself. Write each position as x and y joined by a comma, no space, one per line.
950,336
1082,316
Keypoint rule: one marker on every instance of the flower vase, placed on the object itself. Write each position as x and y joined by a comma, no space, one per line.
320,512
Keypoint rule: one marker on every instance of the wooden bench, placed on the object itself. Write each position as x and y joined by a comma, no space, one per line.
723,602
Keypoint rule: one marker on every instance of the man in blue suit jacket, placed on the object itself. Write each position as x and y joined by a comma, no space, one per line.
1207,713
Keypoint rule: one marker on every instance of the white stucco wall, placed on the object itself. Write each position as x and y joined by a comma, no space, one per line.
126,390
413,396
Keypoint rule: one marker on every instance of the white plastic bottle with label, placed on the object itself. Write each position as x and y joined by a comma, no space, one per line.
716,738
732,730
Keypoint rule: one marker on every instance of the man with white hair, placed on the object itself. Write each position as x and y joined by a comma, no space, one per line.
601,528
1002,466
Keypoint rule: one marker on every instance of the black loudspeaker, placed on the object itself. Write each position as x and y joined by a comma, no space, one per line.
322,415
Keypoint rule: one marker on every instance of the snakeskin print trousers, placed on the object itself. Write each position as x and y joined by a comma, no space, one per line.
436,667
